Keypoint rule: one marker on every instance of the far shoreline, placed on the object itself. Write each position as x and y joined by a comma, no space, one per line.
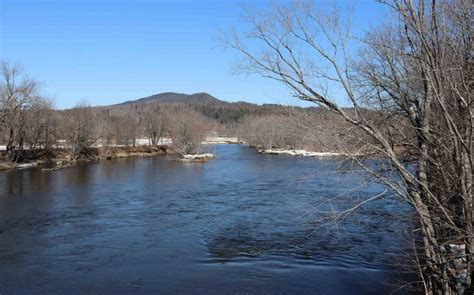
58,158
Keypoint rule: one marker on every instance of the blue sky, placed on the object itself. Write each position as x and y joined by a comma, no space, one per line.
109,51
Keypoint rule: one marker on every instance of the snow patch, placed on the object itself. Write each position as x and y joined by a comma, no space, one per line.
26,165
197,157
221,140
300,153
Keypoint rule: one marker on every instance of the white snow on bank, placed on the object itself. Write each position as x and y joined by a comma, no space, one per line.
300,153
146,142
26,165
138,142
198,157
167,141
221,140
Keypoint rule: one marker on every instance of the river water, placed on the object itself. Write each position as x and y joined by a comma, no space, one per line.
243,223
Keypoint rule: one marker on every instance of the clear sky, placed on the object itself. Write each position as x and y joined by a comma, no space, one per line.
109,51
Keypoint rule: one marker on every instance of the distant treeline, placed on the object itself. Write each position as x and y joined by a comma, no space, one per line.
30,123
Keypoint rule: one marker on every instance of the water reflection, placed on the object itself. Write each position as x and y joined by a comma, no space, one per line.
243,240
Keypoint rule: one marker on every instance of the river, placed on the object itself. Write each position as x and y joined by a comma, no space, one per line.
244,223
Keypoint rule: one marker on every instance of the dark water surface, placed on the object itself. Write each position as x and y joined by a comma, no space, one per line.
241,224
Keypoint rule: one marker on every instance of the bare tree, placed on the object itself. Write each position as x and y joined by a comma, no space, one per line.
22,111
415,70
271,131
188,130
40,126
79,130
118,129
156,123
132,128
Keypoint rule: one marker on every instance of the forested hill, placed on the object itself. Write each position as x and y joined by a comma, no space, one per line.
222,111
173,97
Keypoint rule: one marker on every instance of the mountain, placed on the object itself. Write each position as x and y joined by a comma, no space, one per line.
222,111
173,97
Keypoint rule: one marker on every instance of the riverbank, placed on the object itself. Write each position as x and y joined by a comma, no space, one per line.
401,151
299,153
60,158
197,157
222,140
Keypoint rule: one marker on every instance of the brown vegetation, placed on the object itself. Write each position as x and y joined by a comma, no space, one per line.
24,115
188,130
32,130
60,158
309,129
